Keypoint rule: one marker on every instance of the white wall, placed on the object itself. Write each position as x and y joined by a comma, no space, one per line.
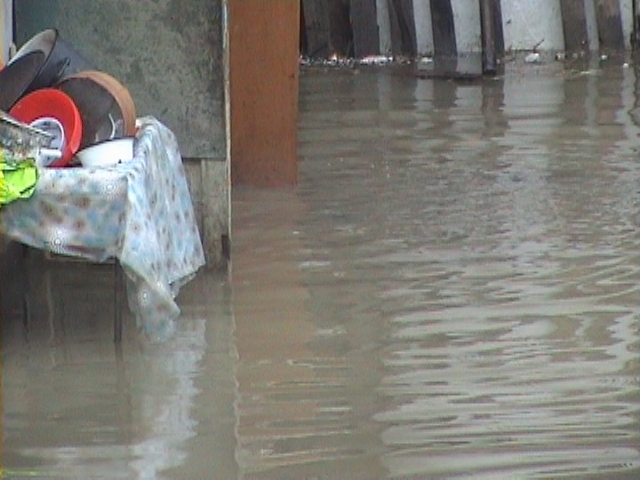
384,25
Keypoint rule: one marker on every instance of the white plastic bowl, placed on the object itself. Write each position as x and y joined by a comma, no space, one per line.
107,153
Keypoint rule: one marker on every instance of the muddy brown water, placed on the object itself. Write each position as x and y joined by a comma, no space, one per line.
451,291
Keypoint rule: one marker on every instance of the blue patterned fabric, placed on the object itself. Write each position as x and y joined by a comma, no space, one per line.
139,211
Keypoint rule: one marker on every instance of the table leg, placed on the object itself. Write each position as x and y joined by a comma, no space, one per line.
118,299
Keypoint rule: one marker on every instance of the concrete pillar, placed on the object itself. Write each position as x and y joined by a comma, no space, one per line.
384,25
444,28
592,26
466,15
609,20
316,23
636,22
574,25
524,24
403,28
488,27
424,28
364,20
626,11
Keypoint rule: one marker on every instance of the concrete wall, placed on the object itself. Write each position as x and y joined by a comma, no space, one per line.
170,55
167,52
6,29
525,25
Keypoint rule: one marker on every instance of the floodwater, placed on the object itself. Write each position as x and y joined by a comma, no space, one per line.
451,291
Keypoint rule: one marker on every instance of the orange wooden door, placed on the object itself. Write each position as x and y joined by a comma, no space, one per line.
263,76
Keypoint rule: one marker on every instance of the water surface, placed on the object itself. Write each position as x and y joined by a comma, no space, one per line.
451,291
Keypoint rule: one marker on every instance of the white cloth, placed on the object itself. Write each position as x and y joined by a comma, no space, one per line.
139,211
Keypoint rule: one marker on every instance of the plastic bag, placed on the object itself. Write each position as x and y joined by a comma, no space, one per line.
17,180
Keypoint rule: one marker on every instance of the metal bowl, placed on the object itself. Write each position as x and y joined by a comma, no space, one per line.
19,141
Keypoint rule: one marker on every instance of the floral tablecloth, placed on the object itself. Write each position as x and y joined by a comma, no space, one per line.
139,212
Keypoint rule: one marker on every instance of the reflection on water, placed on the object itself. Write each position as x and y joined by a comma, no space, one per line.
464,262
452,290
78,406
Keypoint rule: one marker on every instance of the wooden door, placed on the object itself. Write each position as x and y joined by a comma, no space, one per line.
263,74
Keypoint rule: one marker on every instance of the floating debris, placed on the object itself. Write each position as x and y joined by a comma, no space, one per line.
375,60
339,61
533,57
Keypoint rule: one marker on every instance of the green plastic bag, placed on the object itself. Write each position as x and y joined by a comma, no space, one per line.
17,180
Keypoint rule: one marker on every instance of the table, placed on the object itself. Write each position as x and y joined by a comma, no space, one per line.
139,212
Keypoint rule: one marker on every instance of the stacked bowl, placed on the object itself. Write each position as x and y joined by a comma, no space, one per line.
88,114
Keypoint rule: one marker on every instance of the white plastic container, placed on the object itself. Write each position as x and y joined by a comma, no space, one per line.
106,153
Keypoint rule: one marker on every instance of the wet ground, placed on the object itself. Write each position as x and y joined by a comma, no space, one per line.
451,291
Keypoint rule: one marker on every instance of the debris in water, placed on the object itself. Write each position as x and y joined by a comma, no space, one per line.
533,57
375,60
